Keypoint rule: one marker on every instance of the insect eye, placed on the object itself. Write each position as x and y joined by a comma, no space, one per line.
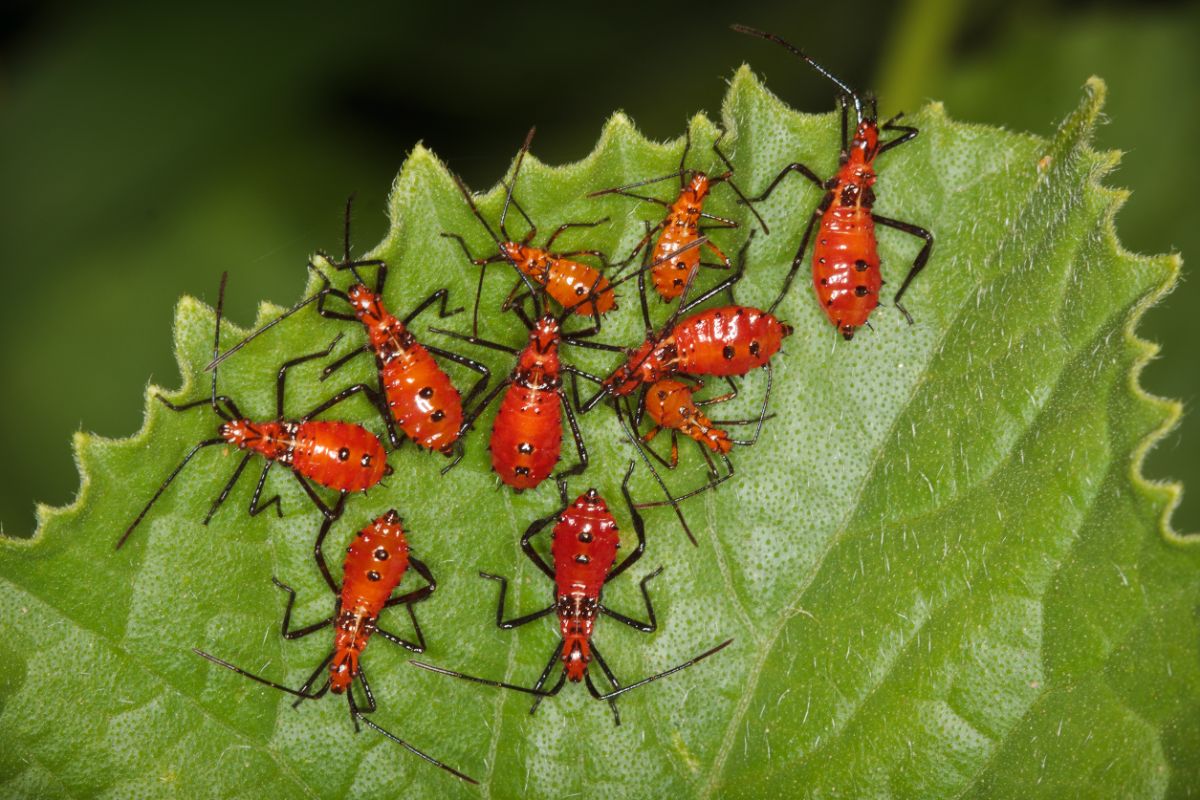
344,454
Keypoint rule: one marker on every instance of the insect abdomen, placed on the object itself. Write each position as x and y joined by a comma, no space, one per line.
375,564
730,340
846,272
670,404
671,276
423,401
338,455
584,546
526,436
570,283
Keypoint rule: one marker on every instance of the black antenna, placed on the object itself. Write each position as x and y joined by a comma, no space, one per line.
294,692
652,678
346,241
217,341
228,414
466,193
841,84
484,681
356,714
508,197
217,359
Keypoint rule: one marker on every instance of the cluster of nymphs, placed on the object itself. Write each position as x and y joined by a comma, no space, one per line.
659,378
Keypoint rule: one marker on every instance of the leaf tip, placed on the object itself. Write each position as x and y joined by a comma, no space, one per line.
1096,88
743,79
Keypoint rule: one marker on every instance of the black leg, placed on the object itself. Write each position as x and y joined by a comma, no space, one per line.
163,486
907,133
486,682
482,263
475,340
728,178
612,680
312,678
416,647
485,374
541,681
714,483
472,415
575,375
319,555
647,438
515,622
724,263
342,361
295,633
513,299
641,284
526,545
479,262
440,297
645,240
580,448
798,260
373,397
355,712
762,415
237,473
640,411
644,627
639,529
183,406
566,226
416,595
794,167
728,283
918,262
341,316
281,379
603,259
256,509
315,498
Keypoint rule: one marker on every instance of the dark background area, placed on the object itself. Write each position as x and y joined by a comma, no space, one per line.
143,150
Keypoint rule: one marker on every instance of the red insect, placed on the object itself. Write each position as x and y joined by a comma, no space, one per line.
376,562
726,341
336,455
527,434
681,225
584,550
845,265
672,406
414,393
572,284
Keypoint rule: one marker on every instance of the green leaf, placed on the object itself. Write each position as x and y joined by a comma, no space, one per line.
942,569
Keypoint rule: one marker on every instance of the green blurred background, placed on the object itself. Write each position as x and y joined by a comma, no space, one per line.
145,149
